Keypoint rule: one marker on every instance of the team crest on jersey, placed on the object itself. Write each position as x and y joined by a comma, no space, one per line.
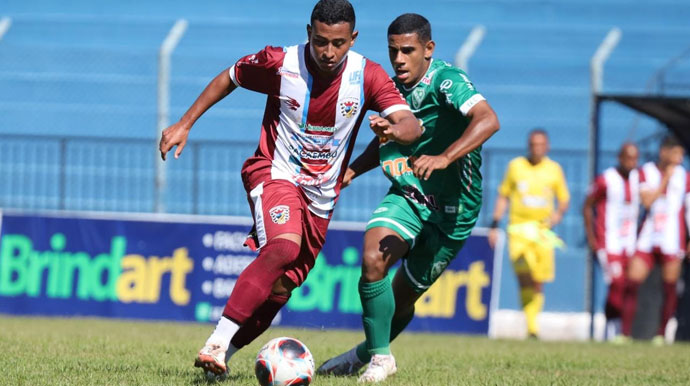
417,97
349,107
280,214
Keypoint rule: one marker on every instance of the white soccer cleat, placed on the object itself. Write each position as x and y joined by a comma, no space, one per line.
344,364
211,358
380,367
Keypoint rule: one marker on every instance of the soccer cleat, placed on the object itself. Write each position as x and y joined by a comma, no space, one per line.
658,341
380,367
344,364
211,358
621,340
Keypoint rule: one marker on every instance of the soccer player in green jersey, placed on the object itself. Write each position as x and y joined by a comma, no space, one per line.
434,199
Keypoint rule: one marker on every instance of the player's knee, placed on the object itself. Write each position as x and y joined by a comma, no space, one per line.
283,286
373,266
278,253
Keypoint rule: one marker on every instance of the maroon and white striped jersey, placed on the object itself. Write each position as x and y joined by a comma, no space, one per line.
617,207
310,123
664,225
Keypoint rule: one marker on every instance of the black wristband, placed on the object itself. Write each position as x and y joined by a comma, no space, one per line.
494,224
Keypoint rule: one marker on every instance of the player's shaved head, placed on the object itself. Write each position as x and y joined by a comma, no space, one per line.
333,12
411,23
627,157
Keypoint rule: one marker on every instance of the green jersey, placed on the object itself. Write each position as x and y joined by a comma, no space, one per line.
441,100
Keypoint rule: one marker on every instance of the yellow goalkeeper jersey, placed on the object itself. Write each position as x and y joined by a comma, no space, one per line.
531,189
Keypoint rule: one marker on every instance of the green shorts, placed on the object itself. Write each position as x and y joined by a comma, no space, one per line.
431,249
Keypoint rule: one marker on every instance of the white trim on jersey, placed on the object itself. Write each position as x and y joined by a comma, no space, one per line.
255,195
233,77
467,106
393,109
412,279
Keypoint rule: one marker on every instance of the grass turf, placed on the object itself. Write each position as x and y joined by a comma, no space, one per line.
81,351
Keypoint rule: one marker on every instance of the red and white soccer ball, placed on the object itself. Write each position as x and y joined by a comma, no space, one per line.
284,361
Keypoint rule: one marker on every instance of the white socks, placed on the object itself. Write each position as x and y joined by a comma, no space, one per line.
225,330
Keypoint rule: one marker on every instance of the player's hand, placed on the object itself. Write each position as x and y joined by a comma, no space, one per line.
493,237
380,126
347,179
175,135
424,165
555,219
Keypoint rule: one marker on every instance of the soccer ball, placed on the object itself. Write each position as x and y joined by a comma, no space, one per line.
284,361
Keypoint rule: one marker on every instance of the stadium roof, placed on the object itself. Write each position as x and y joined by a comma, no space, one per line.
674,112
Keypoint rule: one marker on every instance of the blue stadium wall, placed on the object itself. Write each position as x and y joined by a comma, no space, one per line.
78,98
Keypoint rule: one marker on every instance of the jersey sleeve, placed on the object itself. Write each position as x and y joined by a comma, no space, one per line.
561,188
259,72
508,183
457,90
380,91
597,190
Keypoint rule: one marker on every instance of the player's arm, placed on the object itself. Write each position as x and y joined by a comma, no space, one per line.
396,121
483,124
499,210
366,161
176,135
562,198
648,196
400,126
504,190
588,213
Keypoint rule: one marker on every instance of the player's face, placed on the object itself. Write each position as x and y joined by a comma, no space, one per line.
538,146
628,158
328,45
409,57
672,155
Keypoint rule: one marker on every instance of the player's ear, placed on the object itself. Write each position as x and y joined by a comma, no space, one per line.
354,36
308,32
429,49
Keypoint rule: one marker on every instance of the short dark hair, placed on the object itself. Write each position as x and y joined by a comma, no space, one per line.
334,12
408,23
670,141
538,130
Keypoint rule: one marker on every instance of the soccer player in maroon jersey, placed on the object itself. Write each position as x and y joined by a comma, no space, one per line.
317,93
610,213
664,188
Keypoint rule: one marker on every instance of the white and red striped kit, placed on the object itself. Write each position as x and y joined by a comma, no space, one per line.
664,225
310,123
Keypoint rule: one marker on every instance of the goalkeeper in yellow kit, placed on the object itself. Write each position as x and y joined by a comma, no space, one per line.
530,187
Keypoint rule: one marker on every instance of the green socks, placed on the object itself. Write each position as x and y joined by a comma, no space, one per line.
397,327
378,305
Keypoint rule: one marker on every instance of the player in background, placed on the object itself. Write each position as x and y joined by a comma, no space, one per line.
434,199
317,94
610,214
530,186
664,187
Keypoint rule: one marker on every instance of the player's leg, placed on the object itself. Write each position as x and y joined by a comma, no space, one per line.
614,268
670,272
278,216
638,270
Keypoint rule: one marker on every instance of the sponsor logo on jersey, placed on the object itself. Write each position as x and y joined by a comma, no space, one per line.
317,155
349,107
291,102
451,209
307,180
381,210
318,129
356,77
445,85
282,71
280,214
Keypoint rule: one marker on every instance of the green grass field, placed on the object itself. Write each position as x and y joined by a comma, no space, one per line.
48,351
